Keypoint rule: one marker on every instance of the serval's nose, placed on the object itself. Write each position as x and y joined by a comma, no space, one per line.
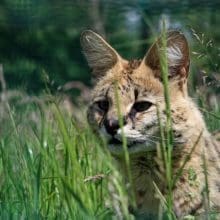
112,125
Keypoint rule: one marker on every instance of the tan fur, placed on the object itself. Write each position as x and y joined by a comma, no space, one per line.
137,81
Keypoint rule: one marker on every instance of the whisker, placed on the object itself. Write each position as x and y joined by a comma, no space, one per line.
152,141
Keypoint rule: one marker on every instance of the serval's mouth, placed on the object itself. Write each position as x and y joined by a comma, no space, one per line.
114,141
119,143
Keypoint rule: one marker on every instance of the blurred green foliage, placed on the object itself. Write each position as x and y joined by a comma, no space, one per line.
39,37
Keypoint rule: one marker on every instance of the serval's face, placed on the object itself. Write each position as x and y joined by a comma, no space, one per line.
129,96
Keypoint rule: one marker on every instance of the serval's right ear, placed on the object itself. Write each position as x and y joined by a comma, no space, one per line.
99,54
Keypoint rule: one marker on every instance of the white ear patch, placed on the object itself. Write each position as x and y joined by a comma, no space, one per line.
174,55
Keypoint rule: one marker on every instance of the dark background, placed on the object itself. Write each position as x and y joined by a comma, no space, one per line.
39,39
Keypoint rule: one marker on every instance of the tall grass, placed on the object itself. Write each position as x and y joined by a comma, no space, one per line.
55,169
167,137
125,150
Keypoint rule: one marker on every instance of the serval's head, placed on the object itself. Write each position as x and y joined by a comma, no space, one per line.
134,90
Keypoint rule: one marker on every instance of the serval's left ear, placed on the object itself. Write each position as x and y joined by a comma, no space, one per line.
177,52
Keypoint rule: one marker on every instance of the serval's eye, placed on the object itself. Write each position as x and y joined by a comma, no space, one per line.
103,105
141,106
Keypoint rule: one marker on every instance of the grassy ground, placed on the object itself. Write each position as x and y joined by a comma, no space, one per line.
52,167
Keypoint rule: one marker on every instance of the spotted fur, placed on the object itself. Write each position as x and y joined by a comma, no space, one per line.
124,84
